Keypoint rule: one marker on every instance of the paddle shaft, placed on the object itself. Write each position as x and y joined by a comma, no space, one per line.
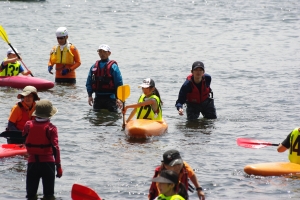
256,143
19,57
123,115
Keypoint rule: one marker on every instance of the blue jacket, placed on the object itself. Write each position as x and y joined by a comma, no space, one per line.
187,88
115,73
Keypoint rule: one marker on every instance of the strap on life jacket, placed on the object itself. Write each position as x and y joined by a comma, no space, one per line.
103,75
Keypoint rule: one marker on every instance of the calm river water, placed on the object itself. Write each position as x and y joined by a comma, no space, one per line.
250,48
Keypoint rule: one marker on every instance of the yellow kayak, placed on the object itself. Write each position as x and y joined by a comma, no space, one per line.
273,169
142,128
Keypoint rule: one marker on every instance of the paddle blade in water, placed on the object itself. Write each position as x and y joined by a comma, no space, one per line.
123,92
3,34
81,192
252,143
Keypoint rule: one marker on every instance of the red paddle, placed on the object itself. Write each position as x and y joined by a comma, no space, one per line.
81,192
252,143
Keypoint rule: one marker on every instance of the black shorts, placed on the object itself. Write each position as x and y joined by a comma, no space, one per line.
105,102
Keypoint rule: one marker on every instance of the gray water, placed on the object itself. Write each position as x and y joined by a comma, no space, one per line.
250,48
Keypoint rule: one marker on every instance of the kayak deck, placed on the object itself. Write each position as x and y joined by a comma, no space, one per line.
22,81
272,169
143,128
8,150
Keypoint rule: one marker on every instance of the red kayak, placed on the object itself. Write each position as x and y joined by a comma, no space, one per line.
23,81
8,150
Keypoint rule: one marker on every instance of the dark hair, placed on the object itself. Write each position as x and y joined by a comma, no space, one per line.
155,92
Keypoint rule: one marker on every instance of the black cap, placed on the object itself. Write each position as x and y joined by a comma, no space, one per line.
172,157
198,64
166,176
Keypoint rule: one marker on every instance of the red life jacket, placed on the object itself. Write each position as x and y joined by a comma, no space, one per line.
25,117
37,142
102,80
183,178
197,96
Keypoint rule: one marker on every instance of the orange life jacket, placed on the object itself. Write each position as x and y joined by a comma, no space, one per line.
25,117
37,142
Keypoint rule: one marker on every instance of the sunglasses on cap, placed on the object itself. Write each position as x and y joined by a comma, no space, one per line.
61,38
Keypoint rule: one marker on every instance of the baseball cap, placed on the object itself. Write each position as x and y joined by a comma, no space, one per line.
166,176
10,50
172,157
61,32
148,82
198,64
27,91
104,47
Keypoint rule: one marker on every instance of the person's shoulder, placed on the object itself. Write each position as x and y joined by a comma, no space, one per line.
207,75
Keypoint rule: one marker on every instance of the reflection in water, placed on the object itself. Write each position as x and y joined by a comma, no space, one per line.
204,126
103,117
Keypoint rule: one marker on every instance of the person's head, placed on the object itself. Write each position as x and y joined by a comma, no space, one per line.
44,109
166,182
104,51
172,160
11,54
198,69
61,35
148,87
28,95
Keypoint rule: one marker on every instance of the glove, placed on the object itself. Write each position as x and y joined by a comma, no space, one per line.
65,71
59,171
50,69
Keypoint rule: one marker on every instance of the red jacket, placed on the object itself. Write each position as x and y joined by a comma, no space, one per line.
41,141
197,96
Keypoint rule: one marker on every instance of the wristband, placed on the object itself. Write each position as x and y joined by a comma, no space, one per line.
199,189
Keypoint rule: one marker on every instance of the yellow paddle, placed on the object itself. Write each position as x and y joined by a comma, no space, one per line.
123,93
5,38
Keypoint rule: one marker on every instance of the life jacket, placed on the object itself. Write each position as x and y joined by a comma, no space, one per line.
197,96
183,178
294,155
146,112
12,69
25,117
37,142
174,197
102,80
62,57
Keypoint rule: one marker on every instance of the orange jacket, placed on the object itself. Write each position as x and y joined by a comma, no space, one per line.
17,115
60,66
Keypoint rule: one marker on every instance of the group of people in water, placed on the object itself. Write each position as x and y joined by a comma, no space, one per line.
32,116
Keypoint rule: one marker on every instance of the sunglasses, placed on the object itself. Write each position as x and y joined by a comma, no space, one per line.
61,38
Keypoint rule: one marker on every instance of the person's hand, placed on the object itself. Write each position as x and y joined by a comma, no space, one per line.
91,101
65,71
124,110
119,103
28,72
180,111
201,194
50,69
59,171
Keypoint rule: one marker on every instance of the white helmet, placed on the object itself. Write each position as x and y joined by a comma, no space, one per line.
61,32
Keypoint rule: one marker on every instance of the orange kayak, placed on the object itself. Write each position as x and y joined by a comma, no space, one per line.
142,128
8,150
273,169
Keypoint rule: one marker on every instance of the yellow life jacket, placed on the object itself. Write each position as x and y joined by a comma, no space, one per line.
174,197
146,112
12,69
62,57
294,155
